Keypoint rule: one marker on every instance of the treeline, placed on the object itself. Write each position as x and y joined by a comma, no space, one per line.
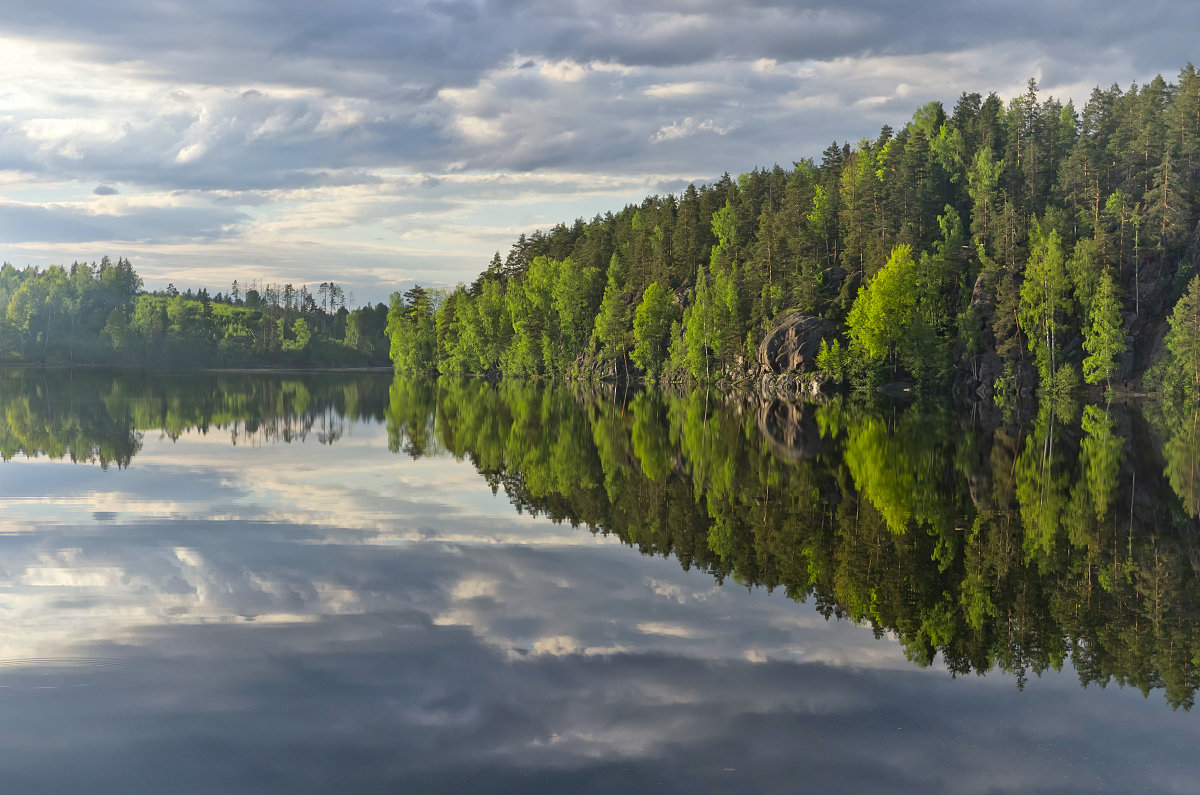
1009,547
99,314
101,417
1001,244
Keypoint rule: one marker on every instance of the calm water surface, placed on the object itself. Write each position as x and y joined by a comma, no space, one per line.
354,584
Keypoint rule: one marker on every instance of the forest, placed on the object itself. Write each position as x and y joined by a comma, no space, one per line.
1000,248
98,314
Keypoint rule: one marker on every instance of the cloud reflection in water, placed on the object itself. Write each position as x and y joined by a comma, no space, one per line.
311,618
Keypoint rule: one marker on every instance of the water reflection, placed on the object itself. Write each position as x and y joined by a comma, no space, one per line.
371,615
100,417
1010,546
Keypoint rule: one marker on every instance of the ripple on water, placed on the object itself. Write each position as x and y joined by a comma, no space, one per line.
43,675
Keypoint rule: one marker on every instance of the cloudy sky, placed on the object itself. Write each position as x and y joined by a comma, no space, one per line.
380,143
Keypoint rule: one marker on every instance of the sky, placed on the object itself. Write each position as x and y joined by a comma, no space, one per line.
378,144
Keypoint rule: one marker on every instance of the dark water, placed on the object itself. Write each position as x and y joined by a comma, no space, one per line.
353,584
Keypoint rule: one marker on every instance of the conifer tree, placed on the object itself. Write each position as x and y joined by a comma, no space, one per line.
1104,337
1183,340
698,329
612,323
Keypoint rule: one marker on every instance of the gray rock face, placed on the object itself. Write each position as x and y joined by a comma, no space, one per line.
792,343
981,301
591,367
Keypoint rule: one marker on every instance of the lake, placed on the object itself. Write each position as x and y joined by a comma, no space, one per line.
354,583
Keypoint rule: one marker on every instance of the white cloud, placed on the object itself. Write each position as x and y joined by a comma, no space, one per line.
688,127
564,71
689,88
666,629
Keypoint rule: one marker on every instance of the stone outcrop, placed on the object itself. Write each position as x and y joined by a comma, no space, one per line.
590,367
792,343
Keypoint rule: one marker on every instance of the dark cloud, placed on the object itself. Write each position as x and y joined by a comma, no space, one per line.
254,98
105,190
452,43
43,223
395,59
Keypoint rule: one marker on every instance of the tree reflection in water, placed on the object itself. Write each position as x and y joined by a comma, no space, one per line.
1010,547
1072,535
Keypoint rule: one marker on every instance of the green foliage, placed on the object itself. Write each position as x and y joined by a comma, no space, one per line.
98,314
1086,274
901,520
301,338
1183,340
1008,211
612,329
1042,488
885,309
1044,300
983,180
1059,392
576,300
726,316
1104,335
677,353
724,228
889,323
651,330
412,331
1004,389
897,471
902,523
651,444
1100,452
833,360
942,274
100,417
1182,454
699,332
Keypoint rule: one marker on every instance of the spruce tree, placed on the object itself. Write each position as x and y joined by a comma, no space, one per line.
1183,340
1104,336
